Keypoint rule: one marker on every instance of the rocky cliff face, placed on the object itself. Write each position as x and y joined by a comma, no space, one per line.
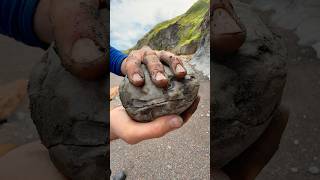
181,34
201,59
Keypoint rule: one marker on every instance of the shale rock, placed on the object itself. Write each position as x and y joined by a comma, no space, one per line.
146,103
71,118
247,89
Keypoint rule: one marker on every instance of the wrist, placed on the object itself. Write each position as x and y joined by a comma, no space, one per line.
115,116
123,66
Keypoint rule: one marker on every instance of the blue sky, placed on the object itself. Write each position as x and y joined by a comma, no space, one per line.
131,19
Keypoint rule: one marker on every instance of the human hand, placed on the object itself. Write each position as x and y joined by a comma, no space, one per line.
79,32
131,66
132,132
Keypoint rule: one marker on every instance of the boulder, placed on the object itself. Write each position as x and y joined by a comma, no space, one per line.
148,102
247,89
70,115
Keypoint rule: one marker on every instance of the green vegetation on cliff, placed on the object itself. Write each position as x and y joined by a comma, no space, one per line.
180,34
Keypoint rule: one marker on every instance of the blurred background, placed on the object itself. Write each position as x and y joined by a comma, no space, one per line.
185,154
298,23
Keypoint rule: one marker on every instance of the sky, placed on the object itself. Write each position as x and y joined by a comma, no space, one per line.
132,19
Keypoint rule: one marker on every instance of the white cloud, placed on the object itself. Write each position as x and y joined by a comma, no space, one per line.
131,19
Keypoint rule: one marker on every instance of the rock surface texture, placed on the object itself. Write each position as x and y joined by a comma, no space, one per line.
247,89
146,103
70,116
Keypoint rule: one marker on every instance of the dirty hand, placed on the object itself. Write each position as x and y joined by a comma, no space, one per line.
131,66
132,132
79,33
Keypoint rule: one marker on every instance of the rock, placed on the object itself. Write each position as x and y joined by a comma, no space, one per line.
120,176
11,96
146,103
314,170
21,115
70,115
201,59
71,118
247,89
294,169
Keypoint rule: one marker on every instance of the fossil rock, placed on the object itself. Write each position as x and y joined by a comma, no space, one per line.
149,102
247,89
70,115
71,118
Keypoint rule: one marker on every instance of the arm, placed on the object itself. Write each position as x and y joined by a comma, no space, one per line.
116,59
75,26
17,20
28,21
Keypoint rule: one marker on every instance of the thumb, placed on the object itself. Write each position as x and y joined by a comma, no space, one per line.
158,128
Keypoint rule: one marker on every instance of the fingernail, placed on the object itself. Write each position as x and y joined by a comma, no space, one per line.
180,69
176,122
136,77
160,77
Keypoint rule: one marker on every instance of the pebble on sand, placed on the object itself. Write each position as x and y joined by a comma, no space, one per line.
294,169
314,170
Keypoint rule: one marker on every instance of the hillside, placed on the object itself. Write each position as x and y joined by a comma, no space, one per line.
181,34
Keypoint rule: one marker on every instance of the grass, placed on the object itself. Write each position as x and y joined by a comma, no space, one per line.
189,26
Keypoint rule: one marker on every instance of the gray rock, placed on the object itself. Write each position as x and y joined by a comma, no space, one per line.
146,103
314,170
70,115
120,176
247,89
294,169
71,118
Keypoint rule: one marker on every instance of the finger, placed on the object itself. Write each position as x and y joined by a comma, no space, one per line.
76,29
146,48
157,128
133,69
174,62
155,69
186,115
